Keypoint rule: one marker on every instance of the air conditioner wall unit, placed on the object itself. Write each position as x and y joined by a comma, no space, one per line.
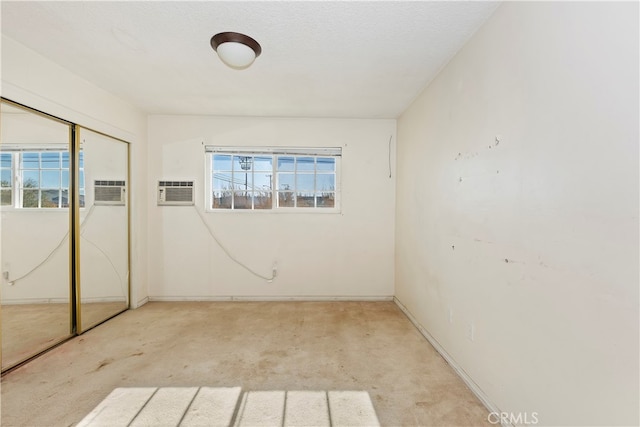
175,193
109,193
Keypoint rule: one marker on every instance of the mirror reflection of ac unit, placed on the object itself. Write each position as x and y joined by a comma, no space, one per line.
112,193
175,193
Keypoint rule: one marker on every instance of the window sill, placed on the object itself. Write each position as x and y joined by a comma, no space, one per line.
279,211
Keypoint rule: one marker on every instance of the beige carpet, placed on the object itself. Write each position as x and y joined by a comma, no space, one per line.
258,346
28,329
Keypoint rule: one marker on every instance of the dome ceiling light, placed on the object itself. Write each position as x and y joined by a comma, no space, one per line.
236,50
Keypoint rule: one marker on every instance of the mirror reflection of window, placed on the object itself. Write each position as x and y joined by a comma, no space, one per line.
35,197
41,178
35,284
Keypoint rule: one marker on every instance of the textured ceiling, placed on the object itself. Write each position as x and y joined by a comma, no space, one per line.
319,59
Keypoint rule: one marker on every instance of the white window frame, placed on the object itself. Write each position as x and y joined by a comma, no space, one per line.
17,196
12,180
274,153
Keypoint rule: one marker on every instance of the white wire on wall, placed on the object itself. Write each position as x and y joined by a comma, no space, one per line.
59,245
48,257
226,251
122,284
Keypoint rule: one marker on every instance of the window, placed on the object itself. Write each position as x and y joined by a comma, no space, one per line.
6,179
273,179
38,179
306,182
242,182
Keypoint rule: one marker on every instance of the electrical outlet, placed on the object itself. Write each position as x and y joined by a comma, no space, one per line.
471,331
5,275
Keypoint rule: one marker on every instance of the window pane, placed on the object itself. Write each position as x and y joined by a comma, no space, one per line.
65,199
285,181
30,179
326,200
262,200
305,200
242,180
81,179
5,160
325,182
221,200
65,179
81,159
221,162
326,164
50,179
30,161
305,164
242,200
263,164
242,163
221,181
30,198
285,199
305,182
49,198
285,163
50,160
262,181
65,160
81,195
5,178
5,197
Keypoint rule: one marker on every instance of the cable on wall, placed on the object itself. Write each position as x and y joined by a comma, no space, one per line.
24,276
123,286
48,257
226,251
390,136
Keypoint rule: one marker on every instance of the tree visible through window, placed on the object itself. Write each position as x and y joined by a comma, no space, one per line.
40,180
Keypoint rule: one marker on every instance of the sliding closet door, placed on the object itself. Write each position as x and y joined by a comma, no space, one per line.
34,230
104,235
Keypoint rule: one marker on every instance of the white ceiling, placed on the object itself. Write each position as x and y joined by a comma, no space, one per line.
319,59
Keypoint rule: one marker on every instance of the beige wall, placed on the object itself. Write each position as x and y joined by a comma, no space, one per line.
330,255
517,211
33,80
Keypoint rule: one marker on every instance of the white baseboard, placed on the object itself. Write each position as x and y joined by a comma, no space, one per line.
475,389
140,303
269,298
19,301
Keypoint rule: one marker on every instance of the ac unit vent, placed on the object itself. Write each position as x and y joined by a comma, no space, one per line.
175,193
109,193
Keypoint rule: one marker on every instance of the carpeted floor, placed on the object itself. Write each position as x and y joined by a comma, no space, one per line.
28,329
257,346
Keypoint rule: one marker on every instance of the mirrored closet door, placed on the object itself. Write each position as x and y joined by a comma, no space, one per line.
34,232
64,230
104,235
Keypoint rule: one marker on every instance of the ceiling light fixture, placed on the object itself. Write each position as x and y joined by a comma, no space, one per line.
236,50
